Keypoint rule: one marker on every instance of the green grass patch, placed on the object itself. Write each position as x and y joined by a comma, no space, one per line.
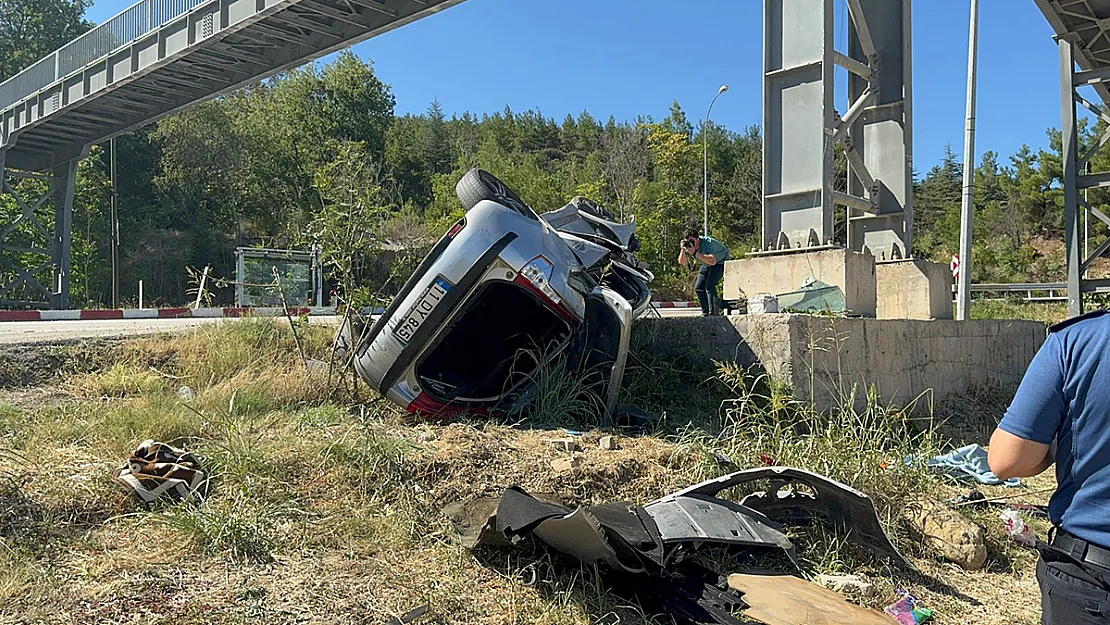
121,381
1047,312
234,525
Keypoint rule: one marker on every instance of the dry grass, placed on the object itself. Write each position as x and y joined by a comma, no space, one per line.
327,510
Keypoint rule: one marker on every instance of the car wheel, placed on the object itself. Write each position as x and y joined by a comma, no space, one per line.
478,185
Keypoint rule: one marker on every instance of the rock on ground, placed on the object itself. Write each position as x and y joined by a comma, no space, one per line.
951,535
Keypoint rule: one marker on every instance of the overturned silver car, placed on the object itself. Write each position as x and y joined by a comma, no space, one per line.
504,292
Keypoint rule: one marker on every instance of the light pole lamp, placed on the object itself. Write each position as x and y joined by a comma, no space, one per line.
705,140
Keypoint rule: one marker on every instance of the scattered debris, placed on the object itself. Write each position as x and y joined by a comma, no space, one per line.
1017,529
814,296
690,594
763,305
649,550
158,471
562,465
513,291
475,521
566,444
798,496
976,498
630,538
607,442
954,537
908,610
767,460
411,616
848,585
185,394
722,459
776,599
970,461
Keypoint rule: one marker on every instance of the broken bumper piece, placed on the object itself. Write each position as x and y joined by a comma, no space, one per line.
795,496
671,529
655,543
627,538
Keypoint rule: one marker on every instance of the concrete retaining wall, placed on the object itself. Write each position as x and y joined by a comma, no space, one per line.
824,358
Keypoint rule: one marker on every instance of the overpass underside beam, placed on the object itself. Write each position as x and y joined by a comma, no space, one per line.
36,219
803,129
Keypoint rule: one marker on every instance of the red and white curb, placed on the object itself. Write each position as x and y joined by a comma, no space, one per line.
156,313
201,313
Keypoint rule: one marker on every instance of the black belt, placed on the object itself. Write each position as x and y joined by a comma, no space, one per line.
1079,549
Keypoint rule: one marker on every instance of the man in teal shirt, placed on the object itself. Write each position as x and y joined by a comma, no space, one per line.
712,255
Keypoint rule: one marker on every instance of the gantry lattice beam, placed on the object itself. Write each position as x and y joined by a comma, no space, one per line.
1083,35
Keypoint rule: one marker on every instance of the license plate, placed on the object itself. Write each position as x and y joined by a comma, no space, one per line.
423,307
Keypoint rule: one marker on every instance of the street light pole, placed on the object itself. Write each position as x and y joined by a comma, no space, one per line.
705,140
963,281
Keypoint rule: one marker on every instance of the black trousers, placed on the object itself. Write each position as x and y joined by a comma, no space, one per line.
1072,592
706,287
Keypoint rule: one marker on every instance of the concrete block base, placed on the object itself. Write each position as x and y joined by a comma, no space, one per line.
832,362
853,272
913,289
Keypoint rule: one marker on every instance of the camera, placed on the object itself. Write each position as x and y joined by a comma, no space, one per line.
687,244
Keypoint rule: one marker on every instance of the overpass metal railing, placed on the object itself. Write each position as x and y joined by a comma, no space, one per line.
134,22
1051,291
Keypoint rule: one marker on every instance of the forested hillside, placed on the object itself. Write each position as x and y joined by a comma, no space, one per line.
318,156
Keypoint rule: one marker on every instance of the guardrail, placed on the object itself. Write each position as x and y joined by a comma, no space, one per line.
134,22
1031,291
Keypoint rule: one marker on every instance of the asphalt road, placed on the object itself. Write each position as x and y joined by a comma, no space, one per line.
12,332
49,331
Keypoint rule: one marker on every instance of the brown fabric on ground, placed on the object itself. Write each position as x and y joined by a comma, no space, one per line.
159,471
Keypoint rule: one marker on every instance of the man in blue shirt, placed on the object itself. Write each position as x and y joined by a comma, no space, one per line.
1061,414
712,255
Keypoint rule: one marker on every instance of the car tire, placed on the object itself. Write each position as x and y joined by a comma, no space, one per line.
478,185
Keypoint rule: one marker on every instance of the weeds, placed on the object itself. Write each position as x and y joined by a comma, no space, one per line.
348,495
377,461
216,353
560,396
120,381
235,525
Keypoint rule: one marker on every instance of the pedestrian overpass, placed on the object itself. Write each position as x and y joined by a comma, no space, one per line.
153,59
160,56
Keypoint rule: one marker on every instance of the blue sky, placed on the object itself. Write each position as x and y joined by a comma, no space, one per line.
630,57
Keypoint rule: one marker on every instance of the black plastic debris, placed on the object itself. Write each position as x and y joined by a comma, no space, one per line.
646,552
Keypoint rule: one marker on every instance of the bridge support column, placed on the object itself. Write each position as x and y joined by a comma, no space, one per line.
1076,209
803,134
64,183
35,242
803,129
